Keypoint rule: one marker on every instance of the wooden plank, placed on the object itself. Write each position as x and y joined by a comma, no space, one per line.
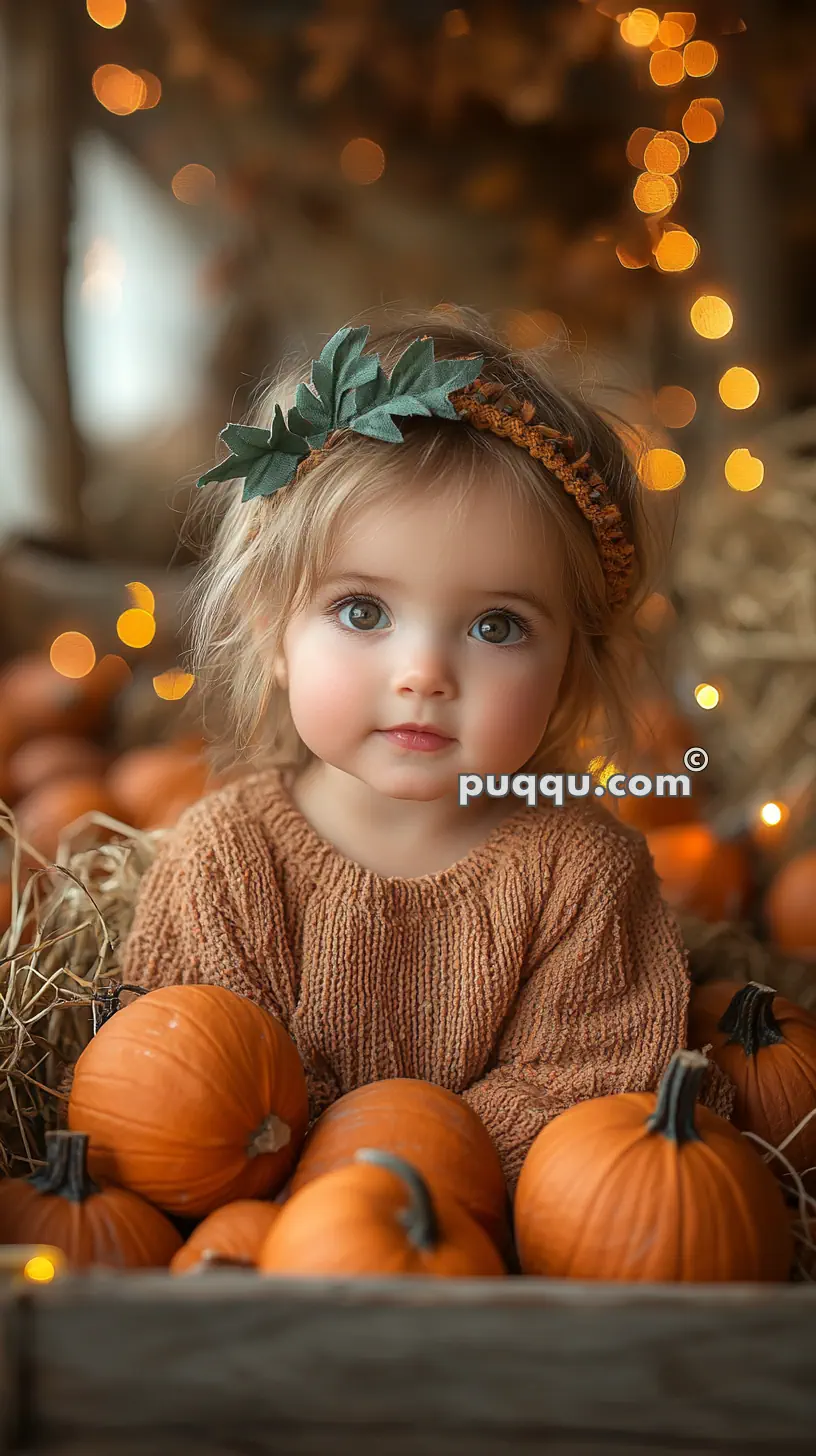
474,1366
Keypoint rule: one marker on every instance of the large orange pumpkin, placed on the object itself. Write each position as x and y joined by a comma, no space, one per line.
639,1186
54,756
429,1127
790,906
700,873
193,1097
766,1045
90,1222
377,1216
232,1234
44,815
145,780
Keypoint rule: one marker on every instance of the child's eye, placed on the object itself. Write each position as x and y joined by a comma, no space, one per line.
366,612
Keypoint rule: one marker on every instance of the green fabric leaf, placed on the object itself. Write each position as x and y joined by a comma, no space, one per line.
254,453
268,474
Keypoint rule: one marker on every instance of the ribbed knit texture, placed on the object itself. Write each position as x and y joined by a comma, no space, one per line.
541,969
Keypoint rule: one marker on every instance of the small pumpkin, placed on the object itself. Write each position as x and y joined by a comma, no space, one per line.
699,872
92,1224
231,1235
194,1097
766,1045
54,756
790,906
644,1186
431,1128
145,780
44,815
377,1216
36,699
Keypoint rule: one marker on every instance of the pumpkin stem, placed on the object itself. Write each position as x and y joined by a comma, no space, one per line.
105,1002
419,1217
749,1019
676,1097
272,1135
66,1169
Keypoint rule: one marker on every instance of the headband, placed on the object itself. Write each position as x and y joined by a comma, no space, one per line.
349,390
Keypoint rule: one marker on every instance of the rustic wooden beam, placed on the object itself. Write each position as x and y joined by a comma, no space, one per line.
237,1363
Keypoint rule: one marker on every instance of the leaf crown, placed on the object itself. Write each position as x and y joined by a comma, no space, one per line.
347,390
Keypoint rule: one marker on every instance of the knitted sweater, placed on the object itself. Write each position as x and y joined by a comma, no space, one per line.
541,969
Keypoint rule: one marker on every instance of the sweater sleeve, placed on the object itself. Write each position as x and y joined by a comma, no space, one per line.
603,1003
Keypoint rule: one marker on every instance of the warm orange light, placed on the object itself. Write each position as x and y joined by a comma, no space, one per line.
661,155
362,161
39,1269
628,258
699,124
656,612
654,192
455,24
744,471
711,316
193,183
173,685
663,469
706,695
671,32
107,13
676,251
153,90
675,406
699,58
637,144
118,89
739,388
679,141
686,19
639,27
141,596
136,628
771,813
666,68
72,654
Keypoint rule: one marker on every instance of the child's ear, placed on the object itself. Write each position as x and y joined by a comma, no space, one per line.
279,672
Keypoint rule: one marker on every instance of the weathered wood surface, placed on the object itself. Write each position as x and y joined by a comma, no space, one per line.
235,1363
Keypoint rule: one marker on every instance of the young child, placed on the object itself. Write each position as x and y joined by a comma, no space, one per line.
452,543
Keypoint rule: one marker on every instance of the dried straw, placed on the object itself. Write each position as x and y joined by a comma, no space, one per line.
68,920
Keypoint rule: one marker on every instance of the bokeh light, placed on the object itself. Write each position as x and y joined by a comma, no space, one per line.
639,27
39,1269
744,471
193,183
676,250
699,58
675,406
662,155
153,90
173,685
679,141
655,613
135,627
141,596
711,316
119,90
666,68
72,654
771,813
637,144
671,32
632,257
739,388
686,19
362,161
107,13
706,695
662,469
699,125
654,192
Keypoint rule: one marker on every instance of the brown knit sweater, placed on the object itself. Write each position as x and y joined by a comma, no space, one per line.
541,969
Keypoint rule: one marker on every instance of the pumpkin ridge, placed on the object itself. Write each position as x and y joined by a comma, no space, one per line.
175,1060
240,1040
710,1162
199,1027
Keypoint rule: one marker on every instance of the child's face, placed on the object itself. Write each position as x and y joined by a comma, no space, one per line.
434,649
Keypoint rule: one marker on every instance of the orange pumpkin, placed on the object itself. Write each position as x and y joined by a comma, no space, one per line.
89,1222
790,906
193,1097
44,815
35,699
431,1128
145,780
54,756
639,1186
231,1235
699,873
766,1045
377,1216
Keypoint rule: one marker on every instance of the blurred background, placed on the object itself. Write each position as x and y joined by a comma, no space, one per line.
191,190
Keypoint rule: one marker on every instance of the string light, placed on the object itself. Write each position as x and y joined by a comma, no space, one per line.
676,250
663,469
135,627
173,685
662,155
744,471
771,813
72,654
699,58
706,696
639,27
739,388
711,316
666,68
654,192
679,141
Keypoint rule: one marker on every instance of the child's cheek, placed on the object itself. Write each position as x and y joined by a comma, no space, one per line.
330,700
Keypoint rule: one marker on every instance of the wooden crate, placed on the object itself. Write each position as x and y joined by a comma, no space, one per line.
234,1363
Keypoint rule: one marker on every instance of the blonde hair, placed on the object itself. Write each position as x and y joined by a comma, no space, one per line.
265,558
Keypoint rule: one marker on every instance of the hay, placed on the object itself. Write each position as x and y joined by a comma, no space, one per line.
68,920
